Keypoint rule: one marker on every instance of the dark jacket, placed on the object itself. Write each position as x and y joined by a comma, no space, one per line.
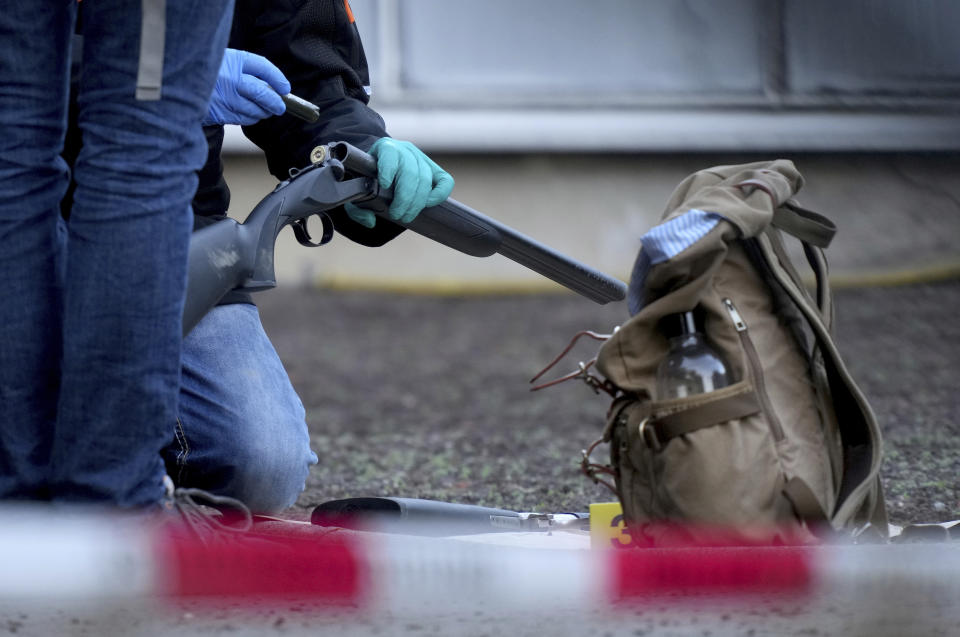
317,46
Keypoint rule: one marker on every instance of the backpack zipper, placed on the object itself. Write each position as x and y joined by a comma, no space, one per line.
775,427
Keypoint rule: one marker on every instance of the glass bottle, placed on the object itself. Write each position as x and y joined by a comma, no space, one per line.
692,366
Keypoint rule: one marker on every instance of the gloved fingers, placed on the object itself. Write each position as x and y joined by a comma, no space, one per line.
424,186
411,185
418,182
442,184
258,94
246,90
260,67
388,160
239,111
361,216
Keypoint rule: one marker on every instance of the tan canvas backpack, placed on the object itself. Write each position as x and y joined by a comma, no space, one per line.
791,446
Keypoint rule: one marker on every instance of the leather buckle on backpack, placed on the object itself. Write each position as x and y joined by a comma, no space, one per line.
649,435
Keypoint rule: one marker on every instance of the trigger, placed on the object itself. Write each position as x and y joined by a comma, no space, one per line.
302,234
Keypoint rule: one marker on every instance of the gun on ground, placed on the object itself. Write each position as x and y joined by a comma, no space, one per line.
229,255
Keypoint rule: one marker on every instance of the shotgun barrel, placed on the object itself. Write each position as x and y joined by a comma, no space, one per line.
462,228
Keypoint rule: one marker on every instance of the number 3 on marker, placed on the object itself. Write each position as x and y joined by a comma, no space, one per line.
625,539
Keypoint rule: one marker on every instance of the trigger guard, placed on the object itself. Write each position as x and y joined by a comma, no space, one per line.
302,234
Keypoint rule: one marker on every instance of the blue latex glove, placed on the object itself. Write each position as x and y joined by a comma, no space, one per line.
248,89
418,182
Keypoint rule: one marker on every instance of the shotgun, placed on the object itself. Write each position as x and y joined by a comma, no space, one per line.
229,255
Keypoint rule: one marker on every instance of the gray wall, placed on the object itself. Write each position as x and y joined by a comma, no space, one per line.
701,52
665,75
639,75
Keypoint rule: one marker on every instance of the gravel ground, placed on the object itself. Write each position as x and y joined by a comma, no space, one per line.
420,396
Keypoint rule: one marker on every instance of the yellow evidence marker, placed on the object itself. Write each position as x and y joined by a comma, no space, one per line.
607,529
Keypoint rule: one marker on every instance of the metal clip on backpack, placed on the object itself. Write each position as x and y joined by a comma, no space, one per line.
791,446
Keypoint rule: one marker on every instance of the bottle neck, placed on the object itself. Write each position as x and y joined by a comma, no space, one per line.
687,324
685,331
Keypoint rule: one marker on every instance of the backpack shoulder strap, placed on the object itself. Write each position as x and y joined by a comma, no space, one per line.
818,263
815,233
806,225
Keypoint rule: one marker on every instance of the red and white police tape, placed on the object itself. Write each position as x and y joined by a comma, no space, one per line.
85,557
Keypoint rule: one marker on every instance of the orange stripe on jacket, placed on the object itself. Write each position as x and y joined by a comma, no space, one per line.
346,5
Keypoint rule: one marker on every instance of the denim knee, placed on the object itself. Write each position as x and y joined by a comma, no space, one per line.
242,430
265,473
257,457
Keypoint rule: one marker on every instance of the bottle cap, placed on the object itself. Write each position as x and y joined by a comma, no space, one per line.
681,323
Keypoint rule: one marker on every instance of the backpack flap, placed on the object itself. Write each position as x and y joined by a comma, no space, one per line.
747,194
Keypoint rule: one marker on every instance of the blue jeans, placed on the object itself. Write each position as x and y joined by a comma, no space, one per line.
90,327
241,430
